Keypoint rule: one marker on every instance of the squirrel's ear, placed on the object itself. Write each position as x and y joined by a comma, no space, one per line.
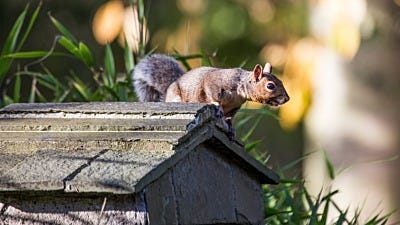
267,68
258,71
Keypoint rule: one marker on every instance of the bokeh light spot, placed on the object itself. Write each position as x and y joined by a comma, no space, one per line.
107,22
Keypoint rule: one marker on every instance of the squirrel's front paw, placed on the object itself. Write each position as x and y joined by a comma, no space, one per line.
219,113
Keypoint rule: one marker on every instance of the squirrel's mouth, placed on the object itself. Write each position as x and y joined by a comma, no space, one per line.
273,102
277,101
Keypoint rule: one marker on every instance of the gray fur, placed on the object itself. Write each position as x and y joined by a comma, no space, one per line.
152,76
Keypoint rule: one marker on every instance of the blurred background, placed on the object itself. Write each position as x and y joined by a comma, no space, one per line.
339,59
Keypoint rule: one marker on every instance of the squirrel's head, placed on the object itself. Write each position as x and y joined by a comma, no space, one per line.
268,89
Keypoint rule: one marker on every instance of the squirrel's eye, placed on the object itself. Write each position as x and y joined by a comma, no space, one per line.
271,86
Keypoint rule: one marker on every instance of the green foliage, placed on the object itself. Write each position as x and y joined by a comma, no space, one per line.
13,43
289,202
110,85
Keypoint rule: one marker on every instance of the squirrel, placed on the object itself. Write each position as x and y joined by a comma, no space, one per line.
160,78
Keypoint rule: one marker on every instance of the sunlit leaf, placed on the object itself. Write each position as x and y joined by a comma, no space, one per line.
128,57
31,98
82,88
69,46
252,145
109,65
86,55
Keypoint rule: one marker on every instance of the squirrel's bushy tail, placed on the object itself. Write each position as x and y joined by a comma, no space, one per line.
153,75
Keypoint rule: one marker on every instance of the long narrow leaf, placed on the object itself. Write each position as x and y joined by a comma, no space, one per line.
86,54
64,31
41,96
11,41
82,89
109,65
325,212
123,96
6,101
128,58
314,208
32,54
244,119
251,130
69,46
252,145
262,111
30,25
33,90
113,93
5,64
293,163
342,218
329,166
10,44
17,89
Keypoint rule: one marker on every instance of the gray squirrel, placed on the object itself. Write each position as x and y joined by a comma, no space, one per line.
160,78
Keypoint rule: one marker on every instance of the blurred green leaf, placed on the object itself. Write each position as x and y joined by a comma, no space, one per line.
17,88
85,54
329,166
293,163
342,217
69,46
252,145
30,25
313,205
11,41
141,9
10,44
262,111
106,79
32,54
242,64
82,89
205,61
244,119
122,93
6,101
50,81
246,137
113,93
31,98
64,31
109,65
40,96
128,58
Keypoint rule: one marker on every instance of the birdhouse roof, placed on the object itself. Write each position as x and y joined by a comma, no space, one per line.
103,147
